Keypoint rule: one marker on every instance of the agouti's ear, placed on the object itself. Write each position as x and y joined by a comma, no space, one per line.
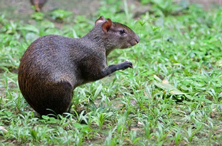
106,26
101,19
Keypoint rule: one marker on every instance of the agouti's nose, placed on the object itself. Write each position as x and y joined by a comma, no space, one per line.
137,38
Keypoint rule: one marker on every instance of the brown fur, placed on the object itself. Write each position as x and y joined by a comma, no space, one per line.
53,66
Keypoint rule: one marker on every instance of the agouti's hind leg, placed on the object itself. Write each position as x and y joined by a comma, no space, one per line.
57,99
70,106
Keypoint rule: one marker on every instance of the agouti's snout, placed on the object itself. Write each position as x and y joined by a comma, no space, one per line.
136,40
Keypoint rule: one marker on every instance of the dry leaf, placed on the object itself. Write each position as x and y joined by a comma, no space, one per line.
165,82
3,129
170,88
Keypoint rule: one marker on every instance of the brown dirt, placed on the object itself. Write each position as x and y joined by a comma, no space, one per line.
21,9
207,4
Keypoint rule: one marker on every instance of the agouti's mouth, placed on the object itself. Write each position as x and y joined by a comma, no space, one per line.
134,42
137,39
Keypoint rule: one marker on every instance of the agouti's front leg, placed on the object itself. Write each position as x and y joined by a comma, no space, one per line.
112,68
96,68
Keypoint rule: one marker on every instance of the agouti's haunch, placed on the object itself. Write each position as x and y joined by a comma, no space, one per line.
53,66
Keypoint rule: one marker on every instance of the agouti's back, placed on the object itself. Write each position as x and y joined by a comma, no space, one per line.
53,65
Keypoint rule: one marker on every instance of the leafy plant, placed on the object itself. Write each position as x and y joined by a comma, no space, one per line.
60,15
38,16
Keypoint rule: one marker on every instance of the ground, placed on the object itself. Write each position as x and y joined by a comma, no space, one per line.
172,96
21,9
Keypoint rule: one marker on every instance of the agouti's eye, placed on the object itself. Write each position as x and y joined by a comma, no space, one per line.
122,31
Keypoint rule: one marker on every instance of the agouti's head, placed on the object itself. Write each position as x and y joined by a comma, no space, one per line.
115,35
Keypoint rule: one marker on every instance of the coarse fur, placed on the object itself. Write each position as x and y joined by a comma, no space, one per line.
53,66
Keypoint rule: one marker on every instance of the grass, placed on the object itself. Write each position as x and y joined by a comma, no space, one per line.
171,97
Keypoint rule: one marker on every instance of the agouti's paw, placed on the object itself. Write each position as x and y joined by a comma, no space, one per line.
127,64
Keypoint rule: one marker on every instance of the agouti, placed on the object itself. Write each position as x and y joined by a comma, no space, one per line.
38,4
53,66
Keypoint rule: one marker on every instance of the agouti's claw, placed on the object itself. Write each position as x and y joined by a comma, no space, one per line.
129,64
132,66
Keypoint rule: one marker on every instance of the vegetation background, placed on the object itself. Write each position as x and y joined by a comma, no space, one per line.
171,97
